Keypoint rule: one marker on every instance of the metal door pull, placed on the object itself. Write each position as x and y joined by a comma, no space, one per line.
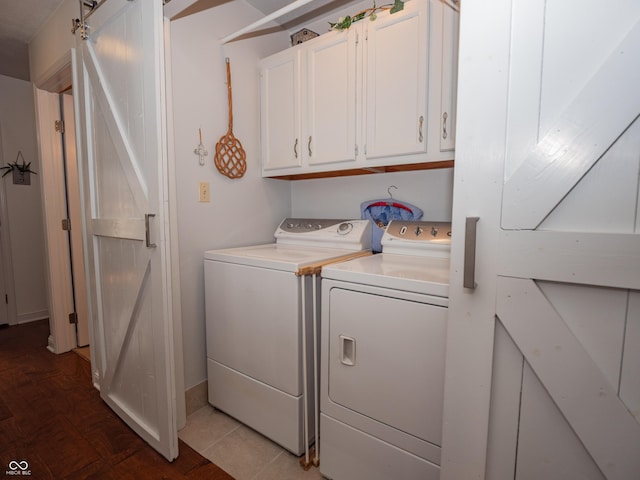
147,234
469,273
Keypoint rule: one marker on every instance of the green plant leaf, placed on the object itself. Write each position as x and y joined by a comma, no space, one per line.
398,5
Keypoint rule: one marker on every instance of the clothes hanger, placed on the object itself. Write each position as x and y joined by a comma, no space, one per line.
390,202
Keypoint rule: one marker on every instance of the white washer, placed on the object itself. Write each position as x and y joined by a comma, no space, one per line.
382,357
259,308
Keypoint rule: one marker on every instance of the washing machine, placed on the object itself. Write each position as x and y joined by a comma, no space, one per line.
383,324
261,321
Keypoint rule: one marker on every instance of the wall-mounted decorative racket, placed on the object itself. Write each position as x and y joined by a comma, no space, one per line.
230,158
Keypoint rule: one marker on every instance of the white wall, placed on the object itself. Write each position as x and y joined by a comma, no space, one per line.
242,211
24,222
430,190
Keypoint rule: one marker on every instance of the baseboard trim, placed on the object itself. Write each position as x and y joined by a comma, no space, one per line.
196,397
32,317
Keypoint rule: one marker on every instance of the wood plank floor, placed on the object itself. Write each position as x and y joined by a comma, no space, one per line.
52,418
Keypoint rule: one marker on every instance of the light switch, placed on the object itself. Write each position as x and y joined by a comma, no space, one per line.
204,193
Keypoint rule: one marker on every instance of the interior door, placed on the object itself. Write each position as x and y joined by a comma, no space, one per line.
120,78
542,355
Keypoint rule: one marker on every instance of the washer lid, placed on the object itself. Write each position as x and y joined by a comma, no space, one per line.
419,274
289,258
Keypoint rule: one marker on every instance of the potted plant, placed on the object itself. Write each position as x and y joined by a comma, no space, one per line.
21,171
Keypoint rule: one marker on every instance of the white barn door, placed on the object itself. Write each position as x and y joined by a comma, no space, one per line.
120,79
543,362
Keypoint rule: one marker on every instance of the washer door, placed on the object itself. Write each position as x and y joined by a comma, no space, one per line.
386,360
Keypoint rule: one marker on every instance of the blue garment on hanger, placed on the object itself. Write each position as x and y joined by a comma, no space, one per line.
381,212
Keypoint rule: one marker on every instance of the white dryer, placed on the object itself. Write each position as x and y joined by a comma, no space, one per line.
383,341
261,303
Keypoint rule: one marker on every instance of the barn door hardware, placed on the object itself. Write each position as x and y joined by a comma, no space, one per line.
80,23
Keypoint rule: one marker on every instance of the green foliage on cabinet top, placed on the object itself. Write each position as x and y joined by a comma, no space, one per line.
344,23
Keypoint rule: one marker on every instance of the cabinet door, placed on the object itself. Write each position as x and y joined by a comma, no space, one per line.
330,120
280,122
396,83
449,71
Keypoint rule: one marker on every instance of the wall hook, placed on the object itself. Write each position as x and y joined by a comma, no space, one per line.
389,190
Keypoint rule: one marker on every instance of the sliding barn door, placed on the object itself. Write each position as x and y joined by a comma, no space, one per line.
120,86
543,355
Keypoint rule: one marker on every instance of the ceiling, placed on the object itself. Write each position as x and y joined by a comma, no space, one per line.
20,21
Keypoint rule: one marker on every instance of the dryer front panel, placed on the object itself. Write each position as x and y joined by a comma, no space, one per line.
386,360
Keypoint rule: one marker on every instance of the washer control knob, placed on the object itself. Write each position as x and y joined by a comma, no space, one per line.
434,231
419,231
309,226
344,228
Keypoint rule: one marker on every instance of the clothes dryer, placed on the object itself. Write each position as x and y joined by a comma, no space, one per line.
261,307
382,357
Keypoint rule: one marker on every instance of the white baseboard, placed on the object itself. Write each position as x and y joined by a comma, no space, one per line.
51,344
32,317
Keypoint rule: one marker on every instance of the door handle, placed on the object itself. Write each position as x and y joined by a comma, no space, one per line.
347,351
469,272
147,233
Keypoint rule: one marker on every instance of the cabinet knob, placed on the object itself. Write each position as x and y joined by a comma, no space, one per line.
420,123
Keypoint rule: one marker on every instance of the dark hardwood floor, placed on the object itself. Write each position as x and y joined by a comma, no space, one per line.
52,418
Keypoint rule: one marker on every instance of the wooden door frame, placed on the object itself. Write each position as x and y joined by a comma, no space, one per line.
60,293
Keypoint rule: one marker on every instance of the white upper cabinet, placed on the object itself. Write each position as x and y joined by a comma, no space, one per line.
309,105
377,95
330,114
449,73
281,111
396,83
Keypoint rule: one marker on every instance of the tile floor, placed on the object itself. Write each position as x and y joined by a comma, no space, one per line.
240,451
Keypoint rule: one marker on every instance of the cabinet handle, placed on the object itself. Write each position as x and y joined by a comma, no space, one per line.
444,125
295,148
347,350
469,271
420,123
309,146
147,233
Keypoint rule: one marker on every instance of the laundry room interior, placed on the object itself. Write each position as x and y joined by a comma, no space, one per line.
200,103
489,239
